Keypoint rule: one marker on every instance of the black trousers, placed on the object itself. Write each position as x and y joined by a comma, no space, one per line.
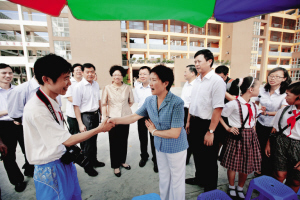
143,136
263,133
11,134
89,147
189,150
118,142
205,157
73,125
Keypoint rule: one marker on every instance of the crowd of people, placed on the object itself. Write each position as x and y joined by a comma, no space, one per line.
246,127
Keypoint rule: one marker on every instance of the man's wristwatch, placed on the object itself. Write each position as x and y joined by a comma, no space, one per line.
211,131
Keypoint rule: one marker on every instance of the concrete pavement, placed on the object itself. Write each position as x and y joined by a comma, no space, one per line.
106,185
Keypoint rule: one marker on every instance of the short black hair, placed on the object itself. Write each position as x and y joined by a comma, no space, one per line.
87,65
3,66
294,88
192,69
51,66
74,66
207,55
222,69
247,81
284,84
117,67
164,74
145,67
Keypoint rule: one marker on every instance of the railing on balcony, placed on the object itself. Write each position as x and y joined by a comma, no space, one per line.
180,48
35,17
275,39
124,45
196,30
12,38
213,33
123,24
286,54
287,40
273,53
195,48
158,46
9,15
290,27
215,50
44,39
32,59
276,25
138,46
125,63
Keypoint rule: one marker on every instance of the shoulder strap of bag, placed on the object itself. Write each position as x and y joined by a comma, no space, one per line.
279,121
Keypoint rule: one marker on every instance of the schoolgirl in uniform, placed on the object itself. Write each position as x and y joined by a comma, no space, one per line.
286,148
242,151
272,97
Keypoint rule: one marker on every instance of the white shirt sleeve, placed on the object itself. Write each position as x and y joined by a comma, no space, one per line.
135,95
228,108
69,92
77,95
218,94
15,103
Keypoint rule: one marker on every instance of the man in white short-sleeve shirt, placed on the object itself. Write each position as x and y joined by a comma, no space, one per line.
86,102
204,114
46,138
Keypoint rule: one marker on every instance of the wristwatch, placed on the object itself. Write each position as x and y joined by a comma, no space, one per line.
211,131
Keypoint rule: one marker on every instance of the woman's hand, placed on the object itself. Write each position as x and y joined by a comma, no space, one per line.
233,130
263,108
268,149
150,125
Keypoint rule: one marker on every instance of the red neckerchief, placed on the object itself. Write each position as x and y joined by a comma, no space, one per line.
250,112
292,121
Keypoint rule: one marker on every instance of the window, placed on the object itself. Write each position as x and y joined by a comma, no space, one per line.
255,44
253,73
297,37
254,58
298,23
297,48
256,28
295,75
63,49
296,63
60,27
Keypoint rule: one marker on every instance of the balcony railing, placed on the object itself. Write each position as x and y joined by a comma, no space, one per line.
193,48
35,17
212,33
138,46
273,53
286,54
124,45
9,15
275,39
290,27
44,39
180,48
275,25
215,50
158,46
124,62
288,40
12,38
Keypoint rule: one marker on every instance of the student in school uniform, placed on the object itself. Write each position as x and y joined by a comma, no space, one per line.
286,147
272,97
242,154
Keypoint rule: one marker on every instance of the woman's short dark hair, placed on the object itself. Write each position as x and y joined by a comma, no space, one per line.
52,66
192,69
117,67
88,65
284,84
164,74
207,55
247,81
294,88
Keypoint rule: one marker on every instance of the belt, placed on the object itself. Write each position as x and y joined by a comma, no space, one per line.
91,113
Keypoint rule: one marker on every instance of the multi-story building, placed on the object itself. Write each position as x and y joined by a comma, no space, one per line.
252,46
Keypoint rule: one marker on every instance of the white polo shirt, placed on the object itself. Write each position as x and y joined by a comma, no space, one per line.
186,93
272,103
43,136
141,93
3,102
69,107
295,131
231,110
208,94
86,96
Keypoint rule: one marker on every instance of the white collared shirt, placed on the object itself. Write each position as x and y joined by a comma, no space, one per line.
231,110
186,93
43,136
3,102
272,103
20,95
69,107
86,96
141,93
295,131
208,94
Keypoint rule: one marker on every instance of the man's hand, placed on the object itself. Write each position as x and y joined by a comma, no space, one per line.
208,139
105,126
187,127
3,149
233,130
17,123
297,166
150,126
82,128
268,149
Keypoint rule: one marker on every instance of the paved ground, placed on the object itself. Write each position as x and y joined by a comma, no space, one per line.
106,185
